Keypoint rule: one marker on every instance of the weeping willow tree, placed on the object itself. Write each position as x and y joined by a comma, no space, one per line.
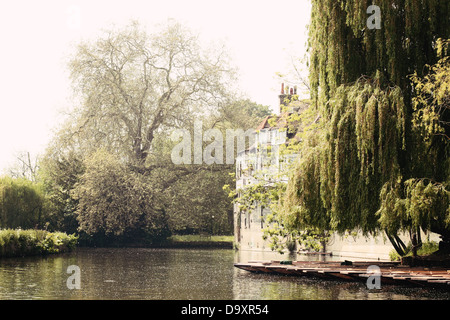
343,48
344,165
369,168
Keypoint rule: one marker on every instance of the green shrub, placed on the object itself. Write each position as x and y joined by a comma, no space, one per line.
31,242
427,248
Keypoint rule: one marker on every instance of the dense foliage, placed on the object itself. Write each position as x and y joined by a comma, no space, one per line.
107,174
22,204
371,167
19,242
114,200
341,172
343,48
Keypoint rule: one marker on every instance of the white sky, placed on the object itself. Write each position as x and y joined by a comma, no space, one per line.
38,36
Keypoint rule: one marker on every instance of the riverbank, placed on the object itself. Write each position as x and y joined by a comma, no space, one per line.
17,242
174,241
198,241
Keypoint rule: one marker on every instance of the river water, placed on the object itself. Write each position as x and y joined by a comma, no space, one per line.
174,274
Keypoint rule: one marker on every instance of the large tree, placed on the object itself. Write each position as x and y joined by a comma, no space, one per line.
133,90
343,48
22,204
115,201
132,84
193,194
368,161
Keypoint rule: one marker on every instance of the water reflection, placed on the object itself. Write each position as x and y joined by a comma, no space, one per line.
275,287
175,274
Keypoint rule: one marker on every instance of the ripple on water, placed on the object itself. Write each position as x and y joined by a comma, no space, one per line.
173,274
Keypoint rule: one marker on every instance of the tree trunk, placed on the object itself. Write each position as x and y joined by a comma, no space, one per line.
397,243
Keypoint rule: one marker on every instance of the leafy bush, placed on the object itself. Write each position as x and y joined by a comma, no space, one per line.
22,203
427,248
31,242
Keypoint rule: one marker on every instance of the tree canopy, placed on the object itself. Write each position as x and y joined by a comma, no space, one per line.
108,171
372,168
22,203
132,85
342,48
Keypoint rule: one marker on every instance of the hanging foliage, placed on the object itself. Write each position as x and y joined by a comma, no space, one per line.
417,203
373,168
431,102
337,181
342,48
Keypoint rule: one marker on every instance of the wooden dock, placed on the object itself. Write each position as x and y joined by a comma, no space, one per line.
391,273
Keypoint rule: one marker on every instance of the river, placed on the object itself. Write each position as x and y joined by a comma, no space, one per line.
174,274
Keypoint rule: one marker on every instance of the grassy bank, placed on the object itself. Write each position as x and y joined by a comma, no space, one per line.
186,241
426,249
15,243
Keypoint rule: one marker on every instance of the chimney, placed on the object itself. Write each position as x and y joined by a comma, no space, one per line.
285,90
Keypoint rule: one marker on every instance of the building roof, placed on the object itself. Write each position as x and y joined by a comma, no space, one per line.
264,124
